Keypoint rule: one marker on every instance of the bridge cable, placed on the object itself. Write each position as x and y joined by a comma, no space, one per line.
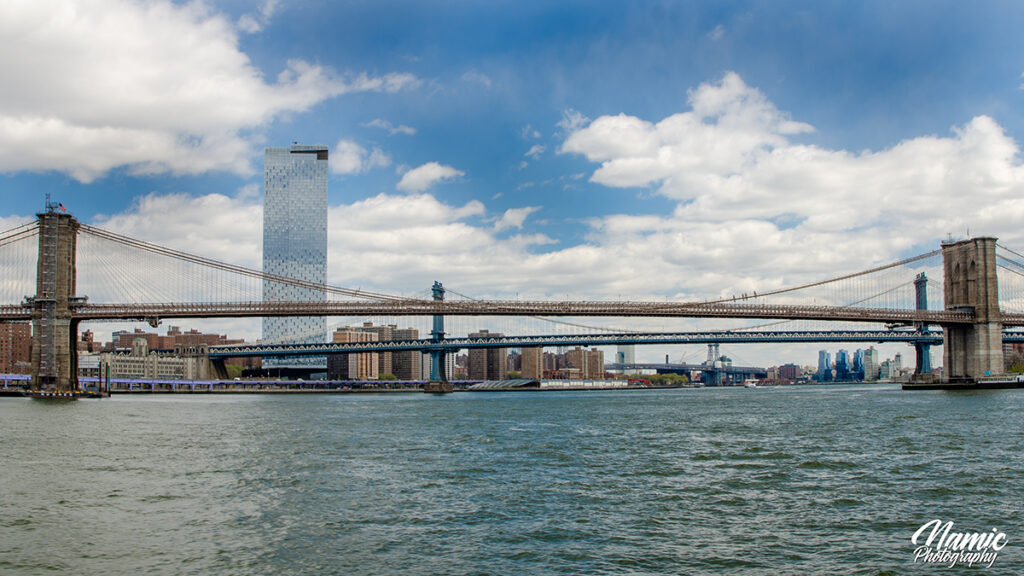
185,256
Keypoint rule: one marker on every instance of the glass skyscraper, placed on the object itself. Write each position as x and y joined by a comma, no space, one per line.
295,244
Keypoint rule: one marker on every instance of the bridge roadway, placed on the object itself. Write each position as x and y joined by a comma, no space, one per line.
450,344
151,312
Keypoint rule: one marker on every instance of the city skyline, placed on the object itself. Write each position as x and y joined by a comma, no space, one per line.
639,150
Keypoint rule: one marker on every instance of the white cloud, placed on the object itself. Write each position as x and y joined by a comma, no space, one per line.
717,33
476,77
82,94
529,132
756,209
572,121
514,218
215,226
349,157
423,177
535,151
390,128
252,23
249,191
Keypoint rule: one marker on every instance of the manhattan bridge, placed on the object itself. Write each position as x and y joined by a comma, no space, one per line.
58,272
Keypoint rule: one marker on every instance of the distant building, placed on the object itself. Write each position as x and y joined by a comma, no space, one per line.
824,372
295,245
790,372
844,371
514,362
487,363
871,364
384,334
533,362
356,366
590,363
553,361
88,344
407,365
179,364
174,338
858,364
15,347
626,354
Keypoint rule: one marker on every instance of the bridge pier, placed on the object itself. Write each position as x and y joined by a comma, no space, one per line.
54,330
970,282
923,350
438,382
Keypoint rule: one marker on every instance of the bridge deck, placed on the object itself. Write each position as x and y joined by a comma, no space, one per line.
145,311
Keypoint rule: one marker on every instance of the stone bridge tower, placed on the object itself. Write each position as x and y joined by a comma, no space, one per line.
969,270
54,353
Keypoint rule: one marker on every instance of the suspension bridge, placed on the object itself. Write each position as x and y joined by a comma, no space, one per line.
54,257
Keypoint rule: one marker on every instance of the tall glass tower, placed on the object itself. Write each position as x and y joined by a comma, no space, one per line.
295,244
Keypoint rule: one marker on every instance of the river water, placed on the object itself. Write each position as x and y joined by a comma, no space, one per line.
815,480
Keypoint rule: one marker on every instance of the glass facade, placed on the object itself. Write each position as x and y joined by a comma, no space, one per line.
295,244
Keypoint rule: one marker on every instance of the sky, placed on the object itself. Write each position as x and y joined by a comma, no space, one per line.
591,150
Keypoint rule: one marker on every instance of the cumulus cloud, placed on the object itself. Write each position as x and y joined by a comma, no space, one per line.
214,226
390,128
514,218
351,158
255,22
535,151
751,198
82,94
423,177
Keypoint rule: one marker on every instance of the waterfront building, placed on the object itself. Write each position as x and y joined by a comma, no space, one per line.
15,347
789,372
408,364
384,334
489,363
514,362
843,369
357,366
553,361
174,338
295,244
626,354
858,364
182,363
533,362
590,363
871,364
824,373
88,344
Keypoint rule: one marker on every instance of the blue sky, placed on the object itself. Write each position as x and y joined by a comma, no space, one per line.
648,149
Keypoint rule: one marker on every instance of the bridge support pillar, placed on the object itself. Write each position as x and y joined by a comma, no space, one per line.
923,350
970,282
438,378
54,338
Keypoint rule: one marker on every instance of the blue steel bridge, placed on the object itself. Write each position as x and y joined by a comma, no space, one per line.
75,272
714,337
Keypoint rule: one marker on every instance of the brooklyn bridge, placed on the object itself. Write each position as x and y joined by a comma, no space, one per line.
126,279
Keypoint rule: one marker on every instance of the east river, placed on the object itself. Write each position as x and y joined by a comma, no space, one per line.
798,480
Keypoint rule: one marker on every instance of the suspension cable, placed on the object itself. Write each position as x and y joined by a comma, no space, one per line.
185,256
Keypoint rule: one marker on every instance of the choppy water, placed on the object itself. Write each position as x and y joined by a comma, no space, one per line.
814,480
